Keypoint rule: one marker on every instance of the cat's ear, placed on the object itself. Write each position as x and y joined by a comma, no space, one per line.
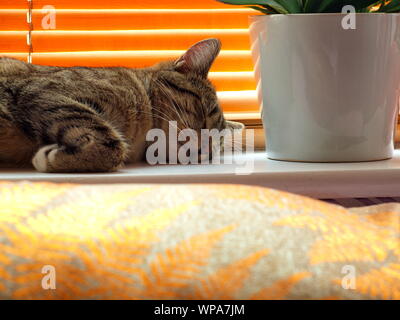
199,58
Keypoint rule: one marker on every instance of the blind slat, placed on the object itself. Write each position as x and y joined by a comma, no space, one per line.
17,55
13,4
228,60
167,39
13,20
236,101
143,19
233,81
13,41
129,4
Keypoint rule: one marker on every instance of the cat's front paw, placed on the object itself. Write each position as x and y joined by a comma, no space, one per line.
44,157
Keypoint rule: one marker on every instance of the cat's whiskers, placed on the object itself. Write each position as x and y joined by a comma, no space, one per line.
170,121
166,116
168,95
173,102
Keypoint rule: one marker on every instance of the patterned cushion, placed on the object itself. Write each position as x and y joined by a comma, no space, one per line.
192,242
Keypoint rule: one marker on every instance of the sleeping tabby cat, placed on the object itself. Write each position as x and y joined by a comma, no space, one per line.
81,119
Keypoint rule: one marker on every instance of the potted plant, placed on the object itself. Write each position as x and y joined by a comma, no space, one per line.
328,77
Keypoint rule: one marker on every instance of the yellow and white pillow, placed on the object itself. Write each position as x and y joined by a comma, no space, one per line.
192,242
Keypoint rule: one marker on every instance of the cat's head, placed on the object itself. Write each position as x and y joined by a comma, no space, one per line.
183,93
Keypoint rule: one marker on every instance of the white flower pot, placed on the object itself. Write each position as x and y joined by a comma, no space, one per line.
328,94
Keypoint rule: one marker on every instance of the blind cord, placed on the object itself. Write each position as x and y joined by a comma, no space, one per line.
30,26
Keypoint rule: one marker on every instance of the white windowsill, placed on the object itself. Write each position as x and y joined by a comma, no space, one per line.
318,180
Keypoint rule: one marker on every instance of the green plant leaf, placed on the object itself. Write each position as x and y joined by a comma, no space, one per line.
337,5
392,6
291,5
310,5
325,4
264,9
301,3
314,6
275,5
358,4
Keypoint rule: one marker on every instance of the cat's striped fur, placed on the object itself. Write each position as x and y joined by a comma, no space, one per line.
81,119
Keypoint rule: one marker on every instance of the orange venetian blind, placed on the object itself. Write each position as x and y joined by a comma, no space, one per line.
134,33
